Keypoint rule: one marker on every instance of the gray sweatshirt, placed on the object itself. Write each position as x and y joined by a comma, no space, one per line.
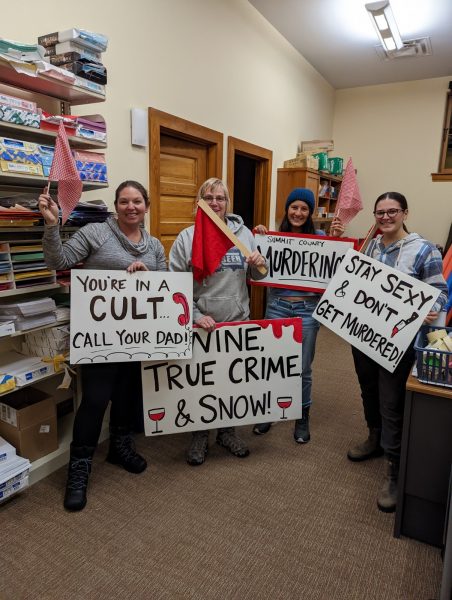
224,295
101,246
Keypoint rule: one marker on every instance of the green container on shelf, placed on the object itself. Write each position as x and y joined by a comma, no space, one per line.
335,165
323,160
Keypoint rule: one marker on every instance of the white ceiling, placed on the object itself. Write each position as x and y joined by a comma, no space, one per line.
338,39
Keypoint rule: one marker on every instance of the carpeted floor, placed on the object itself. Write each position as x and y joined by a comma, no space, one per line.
289,522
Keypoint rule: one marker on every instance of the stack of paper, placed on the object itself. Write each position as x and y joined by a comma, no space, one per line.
25,369
13,471
27,315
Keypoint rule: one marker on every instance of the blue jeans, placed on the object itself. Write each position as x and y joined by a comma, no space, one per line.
283,309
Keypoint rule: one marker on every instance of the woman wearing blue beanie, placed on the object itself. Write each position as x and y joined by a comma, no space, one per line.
284,303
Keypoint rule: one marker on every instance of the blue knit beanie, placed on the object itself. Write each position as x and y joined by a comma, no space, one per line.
301,194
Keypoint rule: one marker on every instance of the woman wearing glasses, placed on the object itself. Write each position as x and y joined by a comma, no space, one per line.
222,297
382,392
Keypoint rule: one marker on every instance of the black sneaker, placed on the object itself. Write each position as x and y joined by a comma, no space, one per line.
261,428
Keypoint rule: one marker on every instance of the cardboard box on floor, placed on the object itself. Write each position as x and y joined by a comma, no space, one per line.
28,422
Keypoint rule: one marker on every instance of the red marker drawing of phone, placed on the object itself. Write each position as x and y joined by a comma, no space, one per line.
184,318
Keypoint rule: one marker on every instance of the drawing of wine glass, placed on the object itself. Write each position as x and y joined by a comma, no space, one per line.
156,415
284,402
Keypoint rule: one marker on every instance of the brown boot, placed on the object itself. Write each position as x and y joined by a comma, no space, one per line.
367,449
387,498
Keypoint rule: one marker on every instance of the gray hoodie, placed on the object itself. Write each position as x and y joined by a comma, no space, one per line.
224,295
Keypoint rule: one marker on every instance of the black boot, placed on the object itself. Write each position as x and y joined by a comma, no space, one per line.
369,448
122,451
387,498
301,433
77,478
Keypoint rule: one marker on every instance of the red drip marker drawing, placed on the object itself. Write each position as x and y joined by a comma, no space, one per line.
403,323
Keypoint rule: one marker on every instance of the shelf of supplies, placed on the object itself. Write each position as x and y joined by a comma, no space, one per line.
32,134
322,220
13,180
33,382
49,326
43,84
29,289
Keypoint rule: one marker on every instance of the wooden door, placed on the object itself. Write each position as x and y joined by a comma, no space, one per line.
183,168
182,155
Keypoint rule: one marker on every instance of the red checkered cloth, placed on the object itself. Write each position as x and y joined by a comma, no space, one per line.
64,170
349,202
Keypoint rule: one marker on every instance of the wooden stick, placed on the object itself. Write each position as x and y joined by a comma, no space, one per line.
369,236
228,233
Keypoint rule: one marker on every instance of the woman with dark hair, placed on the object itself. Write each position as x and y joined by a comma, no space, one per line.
118,243
283,303
382,392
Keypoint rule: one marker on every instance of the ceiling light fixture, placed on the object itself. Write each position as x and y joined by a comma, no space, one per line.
385,24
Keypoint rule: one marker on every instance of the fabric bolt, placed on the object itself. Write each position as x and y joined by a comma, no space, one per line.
64,170
349,202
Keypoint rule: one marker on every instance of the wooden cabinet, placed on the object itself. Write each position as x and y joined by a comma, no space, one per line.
325,187
329,187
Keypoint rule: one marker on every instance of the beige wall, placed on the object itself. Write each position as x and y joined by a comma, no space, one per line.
215,62
220,64
392,132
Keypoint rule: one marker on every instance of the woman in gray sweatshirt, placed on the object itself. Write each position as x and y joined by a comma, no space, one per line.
118,243
222,297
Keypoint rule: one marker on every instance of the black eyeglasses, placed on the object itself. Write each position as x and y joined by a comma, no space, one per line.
392,212
218,199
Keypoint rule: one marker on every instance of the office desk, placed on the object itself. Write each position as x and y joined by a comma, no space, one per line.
425,463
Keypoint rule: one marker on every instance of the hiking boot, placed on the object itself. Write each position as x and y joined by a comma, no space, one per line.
79,469
301,433
197,452
122,451
261,428
229,440
387,497
368,449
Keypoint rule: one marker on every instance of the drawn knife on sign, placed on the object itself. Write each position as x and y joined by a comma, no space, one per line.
403,323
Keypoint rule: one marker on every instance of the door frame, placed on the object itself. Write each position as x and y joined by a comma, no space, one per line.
262,199
160,122
262,187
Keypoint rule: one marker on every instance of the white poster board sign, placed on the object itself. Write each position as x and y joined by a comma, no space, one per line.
248,372
120,317
375,308
301,261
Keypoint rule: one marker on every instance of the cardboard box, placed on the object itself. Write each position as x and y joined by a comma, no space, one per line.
18,102
19,116
19,157
29,423
14,488
91,166
309,162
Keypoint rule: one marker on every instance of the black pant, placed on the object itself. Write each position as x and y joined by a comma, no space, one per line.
118,382
383,395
